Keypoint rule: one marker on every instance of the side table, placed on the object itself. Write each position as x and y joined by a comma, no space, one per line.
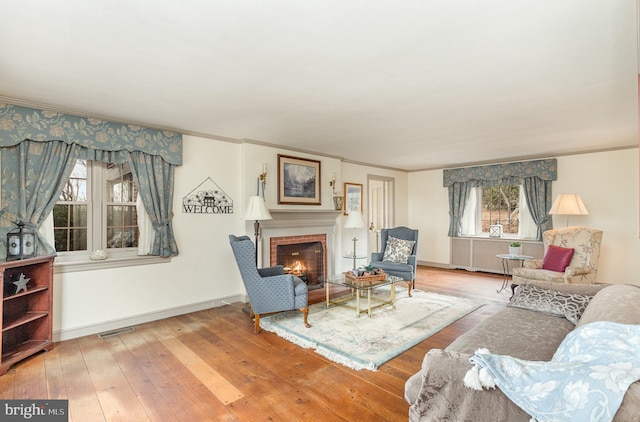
354,257
506,259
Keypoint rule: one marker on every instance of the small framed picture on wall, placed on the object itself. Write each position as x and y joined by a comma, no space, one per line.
352,197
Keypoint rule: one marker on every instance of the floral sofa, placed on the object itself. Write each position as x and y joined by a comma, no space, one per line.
528,328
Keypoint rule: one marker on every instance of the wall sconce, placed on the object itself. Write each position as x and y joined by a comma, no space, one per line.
338,200
262,179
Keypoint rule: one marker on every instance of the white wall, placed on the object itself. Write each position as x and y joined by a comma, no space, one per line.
607,183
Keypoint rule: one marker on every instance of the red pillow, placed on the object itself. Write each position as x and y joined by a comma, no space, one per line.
557,258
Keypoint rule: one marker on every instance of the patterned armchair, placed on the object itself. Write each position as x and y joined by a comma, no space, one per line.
583,267
393,262
269,289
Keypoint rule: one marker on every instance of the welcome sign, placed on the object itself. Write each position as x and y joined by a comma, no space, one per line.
207,198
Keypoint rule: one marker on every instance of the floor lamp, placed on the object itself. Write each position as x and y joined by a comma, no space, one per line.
568,204
355,222
257,211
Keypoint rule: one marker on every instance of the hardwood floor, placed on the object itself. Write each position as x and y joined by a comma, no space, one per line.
209,366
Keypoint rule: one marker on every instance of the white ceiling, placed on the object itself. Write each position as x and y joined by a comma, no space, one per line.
411,84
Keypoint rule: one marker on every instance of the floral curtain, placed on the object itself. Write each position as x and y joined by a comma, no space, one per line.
33,174
154,178
458,195
20,123
39,149
536,177
497,174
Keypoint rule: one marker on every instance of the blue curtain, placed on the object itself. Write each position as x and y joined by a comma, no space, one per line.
39,149
20,123
538,195
536,177
458,195
154,178
33,175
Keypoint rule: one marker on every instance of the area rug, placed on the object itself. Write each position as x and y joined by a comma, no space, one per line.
366,343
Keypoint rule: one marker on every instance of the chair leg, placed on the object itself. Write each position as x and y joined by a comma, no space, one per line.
256,328
409,284
305,311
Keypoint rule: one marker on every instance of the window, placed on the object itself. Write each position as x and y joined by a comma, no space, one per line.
96,209
503,204
500,205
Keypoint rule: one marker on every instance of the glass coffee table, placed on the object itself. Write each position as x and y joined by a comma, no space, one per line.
361,289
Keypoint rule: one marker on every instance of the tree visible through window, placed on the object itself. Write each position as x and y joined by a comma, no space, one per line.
97,208
122,215
70,212
500,205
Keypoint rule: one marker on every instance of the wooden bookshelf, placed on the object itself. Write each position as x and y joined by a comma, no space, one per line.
26,315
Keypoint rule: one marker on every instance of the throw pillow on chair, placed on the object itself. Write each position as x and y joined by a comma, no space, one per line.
398,250
557,258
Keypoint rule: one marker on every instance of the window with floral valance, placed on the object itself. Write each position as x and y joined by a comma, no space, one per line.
535,177
39,149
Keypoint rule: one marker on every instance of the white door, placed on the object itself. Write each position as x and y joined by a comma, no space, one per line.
381,206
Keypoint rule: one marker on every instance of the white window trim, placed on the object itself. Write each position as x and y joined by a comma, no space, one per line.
61,265
471,219
74,261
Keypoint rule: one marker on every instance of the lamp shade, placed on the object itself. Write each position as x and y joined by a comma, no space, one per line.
354,221
568,204
257,209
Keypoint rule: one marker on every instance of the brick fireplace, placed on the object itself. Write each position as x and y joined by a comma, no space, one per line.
302,255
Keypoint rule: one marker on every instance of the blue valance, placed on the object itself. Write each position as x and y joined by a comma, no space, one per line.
19,123
543,169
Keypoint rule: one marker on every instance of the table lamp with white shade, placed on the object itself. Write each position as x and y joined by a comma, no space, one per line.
355,222
257,211
568,204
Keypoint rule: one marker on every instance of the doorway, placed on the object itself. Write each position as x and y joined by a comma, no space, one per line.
381,208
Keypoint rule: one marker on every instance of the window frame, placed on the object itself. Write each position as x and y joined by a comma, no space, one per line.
477,216
97,201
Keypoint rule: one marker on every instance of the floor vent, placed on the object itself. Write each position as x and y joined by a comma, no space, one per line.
116,332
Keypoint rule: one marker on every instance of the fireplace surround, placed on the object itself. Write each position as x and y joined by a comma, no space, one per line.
302,256
290,227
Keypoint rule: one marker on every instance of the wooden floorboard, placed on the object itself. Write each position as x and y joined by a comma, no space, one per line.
209,366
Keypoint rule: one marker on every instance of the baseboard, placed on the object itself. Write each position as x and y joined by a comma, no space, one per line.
434,264
67,334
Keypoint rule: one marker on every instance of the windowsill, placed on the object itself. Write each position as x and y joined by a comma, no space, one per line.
69,264
505,238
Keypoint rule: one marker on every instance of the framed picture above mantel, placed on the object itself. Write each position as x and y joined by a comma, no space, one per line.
298,180
352,197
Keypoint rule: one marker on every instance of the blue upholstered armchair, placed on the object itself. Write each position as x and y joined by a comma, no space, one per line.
396,253
269,289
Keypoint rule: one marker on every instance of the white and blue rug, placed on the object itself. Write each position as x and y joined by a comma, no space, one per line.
366,343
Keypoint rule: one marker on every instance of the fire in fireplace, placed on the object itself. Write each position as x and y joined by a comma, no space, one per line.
304,260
